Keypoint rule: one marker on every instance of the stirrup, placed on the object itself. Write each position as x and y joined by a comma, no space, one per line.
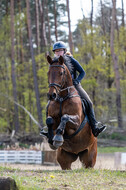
44,131
98,129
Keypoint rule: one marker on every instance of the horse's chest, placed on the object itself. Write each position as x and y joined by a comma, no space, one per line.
54,109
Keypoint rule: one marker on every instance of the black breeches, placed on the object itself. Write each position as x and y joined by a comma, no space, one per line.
88,104
83,94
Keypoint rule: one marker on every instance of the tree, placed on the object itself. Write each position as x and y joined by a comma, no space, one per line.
13,75
91,17
43,31
116,67
102,16
48,23
55,20
69,24
123,22
34,65
37,27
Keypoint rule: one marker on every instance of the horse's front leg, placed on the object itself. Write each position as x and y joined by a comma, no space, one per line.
58,138
50,122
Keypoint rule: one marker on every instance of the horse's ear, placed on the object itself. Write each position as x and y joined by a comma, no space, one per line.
49,59
61,60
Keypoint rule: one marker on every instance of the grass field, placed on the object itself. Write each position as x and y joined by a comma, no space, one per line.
111,149
81,179
77,179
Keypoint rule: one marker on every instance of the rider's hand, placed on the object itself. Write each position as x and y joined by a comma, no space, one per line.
75,82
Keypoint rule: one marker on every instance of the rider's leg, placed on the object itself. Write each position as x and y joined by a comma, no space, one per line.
90,111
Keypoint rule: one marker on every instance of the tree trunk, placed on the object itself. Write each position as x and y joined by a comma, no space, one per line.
82,10
123,22
55,20
43,31
124,33
117,27
92,49
48,24
13,75
20,35
91,18
70,33
91,23
37,27
116,68
39,110
102,14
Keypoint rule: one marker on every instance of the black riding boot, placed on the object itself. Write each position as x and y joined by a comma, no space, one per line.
96,127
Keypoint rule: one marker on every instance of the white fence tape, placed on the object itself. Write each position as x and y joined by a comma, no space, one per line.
123,158
24,157
120,159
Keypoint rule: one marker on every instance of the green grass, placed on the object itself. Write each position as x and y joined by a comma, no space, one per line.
114,136
81,179
111,149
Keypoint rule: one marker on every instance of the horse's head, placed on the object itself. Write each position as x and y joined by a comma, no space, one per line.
56,76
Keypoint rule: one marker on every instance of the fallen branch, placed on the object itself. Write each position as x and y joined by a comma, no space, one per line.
30,115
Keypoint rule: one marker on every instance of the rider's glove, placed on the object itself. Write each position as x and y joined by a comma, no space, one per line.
75,82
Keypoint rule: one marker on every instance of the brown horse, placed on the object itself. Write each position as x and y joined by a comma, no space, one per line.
68,128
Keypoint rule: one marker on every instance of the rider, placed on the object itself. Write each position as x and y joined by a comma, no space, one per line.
59,49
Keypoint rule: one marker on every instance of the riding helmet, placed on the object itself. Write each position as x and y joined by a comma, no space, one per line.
59,45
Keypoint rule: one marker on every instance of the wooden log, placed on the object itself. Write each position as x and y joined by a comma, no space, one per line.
49,158
8,183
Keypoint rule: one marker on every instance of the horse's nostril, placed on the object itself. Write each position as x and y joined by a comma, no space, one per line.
53,95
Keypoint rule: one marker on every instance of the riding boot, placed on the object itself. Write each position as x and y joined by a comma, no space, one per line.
96,127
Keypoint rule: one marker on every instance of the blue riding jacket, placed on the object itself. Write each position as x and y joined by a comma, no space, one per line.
75,68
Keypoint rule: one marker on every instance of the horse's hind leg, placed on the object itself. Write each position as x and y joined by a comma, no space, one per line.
88,157
65,159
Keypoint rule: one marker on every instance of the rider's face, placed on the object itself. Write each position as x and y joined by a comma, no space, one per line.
59,52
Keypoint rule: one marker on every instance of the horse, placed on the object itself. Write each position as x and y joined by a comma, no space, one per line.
68,128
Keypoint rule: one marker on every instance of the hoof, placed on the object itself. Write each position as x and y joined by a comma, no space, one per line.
58,138
58,141
57,144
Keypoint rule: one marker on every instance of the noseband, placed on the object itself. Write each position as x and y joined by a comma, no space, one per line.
55,85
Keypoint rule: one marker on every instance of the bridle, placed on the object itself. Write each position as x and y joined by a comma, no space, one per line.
55,85
61,89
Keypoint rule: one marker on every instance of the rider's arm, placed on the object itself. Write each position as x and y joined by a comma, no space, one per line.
78,68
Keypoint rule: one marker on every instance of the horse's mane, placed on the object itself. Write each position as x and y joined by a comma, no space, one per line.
67,62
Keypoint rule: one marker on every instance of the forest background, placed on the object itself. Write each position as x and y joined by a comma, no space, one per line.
28,29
